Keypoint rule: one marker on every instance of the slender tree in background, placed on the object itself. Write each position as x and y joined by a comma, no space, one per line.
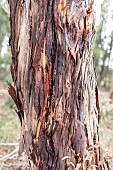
5,52
55,87
103,46
111,90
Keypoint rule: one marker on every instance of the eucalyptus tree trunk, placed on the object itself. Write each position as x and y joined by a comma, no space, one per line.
55,88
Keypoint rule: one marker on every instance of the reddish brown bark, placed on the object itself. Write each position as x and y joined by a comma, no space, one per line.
56,92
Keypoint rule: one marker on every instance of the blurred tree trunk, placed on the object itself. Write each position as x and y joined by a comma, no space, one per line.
55,89
111,90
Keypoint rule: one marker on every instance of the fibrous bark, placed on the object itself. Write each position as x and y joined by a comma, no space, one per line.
55,89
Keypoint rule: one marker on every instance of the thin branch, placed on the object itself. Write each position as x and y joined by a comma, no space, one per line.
9,144
9,156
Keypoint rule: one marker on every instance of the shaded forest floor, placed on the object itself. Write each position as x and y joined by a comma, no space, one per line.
10,130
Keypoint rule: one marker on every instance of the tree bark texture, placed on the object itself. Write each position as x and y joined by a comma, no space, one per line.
55,88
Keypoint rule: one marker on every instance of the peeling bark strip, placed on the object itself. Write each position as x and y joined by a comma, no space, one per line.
52,68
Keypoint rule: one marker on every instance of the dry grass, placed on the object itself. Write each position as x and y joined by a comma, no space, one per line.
106,125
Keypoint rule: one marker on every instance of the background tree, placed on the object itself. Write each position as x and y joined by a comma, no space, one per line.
5,53
103,46
55,88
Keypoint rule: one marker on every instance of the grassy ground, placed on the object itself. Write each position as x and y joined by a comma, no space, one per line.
9,124
106,125
9,133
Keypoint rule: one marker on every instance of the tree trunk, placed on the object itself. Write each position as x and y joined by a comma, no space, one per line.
55,89
111,90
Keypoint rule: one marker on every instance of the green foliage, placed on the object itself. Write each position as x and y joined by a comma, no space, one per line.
7,78
9,104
